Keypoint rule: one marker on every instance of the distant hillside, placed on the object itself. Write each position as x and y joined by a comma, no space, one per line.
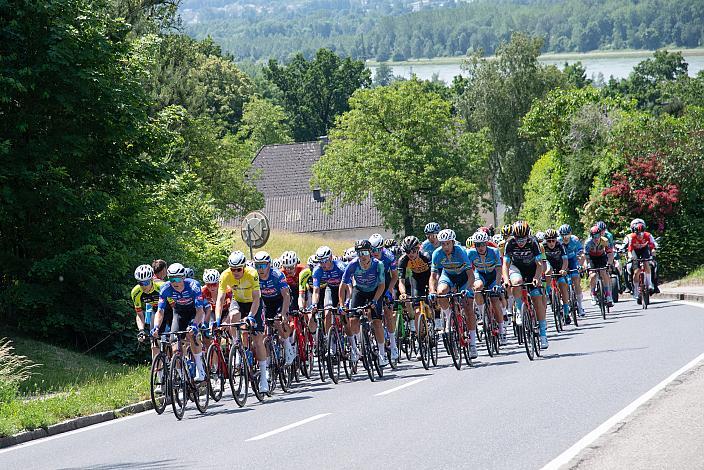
382,29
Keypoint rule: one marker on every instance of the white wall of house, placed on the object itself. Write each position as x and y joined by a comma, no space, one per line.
354,234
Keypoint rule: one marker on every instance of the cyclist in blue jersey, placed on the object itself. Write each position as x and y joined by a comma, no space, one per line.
486,262
390,280
328,272
456,275
575,255
188,305
431,242
368,276
276,296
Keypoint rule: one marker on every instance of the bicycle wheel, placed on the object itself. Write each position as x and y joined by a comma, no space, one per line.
573,306
528,334
367,355
285,371
272,367
375,353
216,369
178,379
600,298
646,296
159,378
334,354
615,288
307,363
434,341
453,342
239,374
345,355
321,349
556,310
464,332
536,334
424,343
486,326
200,390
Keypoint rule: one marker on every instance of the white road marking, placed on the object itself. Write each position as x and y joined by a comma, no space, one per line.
400,387
75,431
287,427
587,440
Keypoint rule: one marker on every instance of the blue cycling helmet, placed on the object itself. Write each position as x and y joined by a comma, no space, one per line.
564,229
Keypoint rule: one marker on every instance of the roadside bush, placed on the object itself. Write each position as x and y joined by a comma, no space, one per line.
14,369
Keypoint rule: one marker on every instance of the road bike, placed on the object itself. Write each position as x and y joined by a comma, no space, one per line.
159,386
600,295
276,367
490,327
426,335
242,363
457,331
556,301
529,322
405,335
182,378
338,350
369,350
574,306
216,362
644,290
303,345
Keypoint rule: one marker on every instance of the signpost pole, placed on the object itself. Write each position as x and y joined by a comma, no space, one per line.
249,241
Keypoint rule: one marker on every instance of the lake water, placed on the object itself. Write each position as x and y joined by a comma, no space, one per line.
619,67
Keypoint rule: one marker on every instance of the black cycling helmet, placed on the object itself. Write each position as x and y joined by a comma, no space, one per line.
362,245
410,243
506,231
551,234
521,229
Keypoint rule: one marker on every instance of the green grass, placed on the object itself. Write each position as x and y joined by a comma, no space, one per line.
695,277
67,385
303,244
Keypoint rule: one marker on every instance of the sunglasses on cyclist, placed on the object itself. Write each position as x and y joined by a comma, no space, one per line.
145,283
596,235
521,241
551,240
212,285
261,265
324,260
175,279
236,270
480,244
376,250
364,253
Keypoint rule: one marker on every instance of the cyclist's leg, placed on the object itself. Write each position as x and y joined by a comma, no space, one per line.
444,287
516,278
565,294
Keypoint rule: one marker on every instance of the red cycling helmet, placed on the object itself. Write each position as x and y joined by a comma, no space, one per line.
639,228
594,230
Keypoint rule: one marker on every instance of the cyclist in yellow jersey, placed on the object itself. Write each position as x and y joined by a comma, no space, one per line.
246,299
145,297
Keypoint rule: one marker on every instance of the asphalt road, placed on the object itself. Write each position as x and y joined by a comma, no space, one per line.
506,412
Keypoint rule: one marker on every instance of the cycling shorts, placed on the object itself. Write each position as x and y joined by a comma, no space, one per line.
418,287
332,298
599,261
524,274
457,281
489,281
642,253
244,308
272,306
182,317
361,298
572,264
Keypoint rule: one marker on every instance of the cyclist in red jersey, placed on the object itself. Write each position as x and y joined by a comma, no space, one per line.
641,245
291,268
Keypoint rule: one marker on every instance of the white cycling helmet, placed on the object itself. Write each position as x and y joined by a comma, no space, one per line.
480,237
176,270
432,227
376,240
289,259
236,259
312,261
323,252
276,263
540,236
249,263
144,273
498,238
262,257
350,254
211,276
447,235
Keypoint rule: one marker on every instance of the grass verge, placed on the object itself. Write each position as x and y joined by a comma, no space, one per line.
696,277
68,385
303,244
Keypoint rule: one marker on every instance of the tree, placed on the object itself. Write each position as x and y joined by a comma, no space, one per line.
401,144
496,95
264,123
315,92
384,75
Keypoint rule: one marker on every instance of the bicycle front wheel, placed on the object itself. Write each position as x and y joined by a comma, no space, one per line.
486,326
424,343
159,378
453,342
239,374
334,354
216,369
528,334
179,390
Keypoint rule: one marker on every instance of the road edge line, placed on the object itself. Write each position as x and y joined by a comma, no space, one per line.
565,457
74,424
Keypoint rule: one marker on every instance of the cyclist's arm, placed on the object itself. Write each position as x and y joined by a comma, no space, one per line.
286,294
139,318
380,289
342,293
219,304
256,298
433,283
505,268
539,270
315,296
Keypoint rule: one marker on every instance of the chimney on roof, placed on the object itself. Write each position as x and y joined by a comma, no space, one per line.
317,196
324,140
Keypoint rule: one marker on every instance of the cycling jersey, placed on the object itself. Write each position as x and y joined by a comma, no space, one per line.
212,299
191,295
638,243
389,260
522,256
305,280
573,247
366,280
418,266
292,279
271,286
609,237
597,248
484,263
242,288
331,277
428,248
555,256
141,299
454,263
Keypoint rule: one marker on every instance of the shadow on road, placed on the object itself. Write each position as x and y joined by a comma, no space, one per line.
157,464
591,353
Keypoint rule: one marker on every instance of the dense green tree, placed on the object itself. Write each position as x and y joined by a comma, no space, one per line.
264,123
496,95
401,144
383,75
315,92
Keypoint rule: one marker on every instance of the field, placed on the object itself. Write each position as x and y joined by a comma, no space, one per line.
303,244
67,384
